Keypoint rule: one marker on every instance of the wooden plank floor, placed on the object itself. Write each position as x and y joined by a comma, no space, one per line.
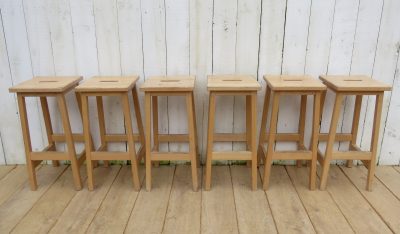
172,207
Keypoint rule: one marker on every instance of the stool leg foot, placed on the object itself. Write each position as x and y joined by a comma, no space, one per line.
32,176
349,163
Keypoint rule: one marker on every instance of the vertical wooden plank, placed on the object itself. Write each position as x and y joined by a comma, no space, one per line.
246,60
62,42
293,62
341,47
252,208
390,153
177,44
108,51
363,55
322,210
287,209
201,12
84,36
154,50
271,43
20,67
11,144
150,209
224,52
386,59
14,209
79,213
218,213
184,206
2,156
130,42
317,57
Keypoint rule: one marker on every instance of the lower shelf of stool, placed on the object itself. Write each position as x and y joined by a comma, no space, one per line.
229,155
349,155
169,156
290,155
110,156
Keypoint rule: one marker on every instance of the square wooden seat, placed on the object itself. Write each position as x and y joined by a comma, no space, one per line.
44,87
278,86
233,85
119,86
358,86
157,86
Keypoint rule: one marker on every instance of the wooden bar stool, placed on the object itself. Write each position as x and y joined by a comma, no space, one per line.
278,86
170,86
44,87
345,86
233,85
119,86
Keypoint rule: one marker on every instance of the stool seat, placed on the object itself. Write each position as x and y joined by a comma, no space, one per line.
168,83
108,84
232,83
47,84
293,83
354,83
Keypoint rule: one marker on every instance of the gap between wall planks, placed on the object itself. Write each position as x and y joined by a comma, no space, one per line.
71,37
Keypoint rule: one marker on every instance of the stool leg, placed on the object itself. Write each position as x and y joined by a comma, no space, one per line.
147,107
302,125
69,141
155,126
375,138
27,142
210,139
271,140
195,132
49,128
88,146
139,123
331,140
102,125
79,101
192,140
248,125
261,139
131,142
354,126
253,143
314,140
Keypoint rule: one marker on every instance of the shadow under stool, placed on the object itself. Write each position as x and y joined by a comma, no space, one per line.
233,85
357,86
278,86
119,86
182,86
44,87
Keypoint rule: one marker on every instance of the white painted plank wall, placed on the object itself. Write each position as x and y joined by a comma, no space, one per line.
199,37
